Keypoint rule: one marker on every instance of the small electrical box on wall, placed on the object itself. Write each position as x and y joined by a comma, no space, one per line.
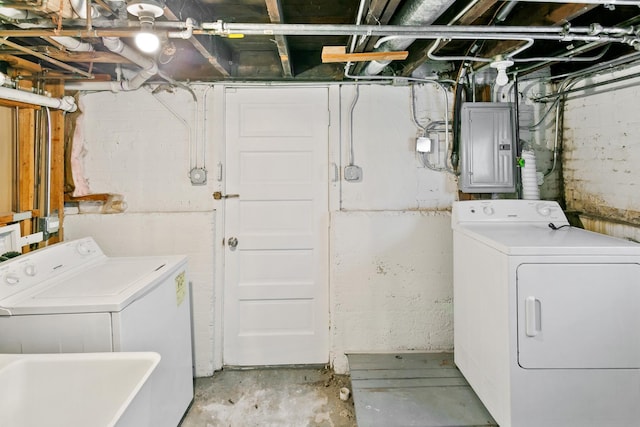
487,148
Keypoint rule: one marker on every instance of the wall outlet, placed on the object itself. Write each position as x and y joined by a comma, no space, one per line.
353,173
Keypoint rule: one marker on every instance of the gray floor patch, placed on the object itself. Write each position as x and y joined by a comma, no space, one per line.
413,389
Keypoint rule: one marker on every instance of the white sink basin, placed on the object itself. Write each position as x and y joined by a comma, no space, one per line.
71,390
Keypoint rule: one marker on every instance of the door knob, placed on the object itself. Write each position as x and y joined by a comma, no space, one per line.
233,242
219,196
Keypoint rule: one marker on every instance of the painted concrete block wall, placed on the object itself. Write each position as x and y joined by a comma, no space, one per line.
391,282
384,139
601,156
394,216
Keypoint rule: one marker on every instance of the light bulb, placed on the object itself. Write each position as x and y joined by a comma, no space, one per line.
147,42
502,78
501,66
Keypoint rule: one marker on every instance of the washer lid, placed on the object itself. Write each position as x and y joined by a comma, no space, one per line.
539,239
105,287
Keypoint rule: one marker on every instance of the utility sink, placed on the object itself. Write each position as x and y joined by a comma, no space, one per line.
75,390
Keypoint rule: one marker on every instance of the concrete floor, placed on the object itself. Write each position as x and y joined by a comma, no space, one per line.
271,397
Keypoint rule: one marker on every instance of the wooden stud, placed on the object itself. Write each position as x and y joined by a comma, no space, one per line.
57,160
27,172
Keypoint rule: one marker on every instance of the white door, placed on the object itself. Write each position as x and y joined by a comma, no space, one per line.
582,316
276,276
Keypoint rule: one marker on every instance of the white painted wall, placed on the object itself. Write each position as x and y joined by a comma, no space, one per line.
390,238
391,259
601,154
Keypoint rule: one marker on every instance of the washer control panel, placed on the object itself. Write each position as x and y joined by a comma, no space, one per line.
508,210
26,271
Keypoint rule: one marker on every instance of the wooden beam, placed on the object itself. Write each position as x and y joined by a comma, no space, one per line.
96,197
274,8
210,47
26,173
56,191
95,56
551,14
8,103
20,64
338,54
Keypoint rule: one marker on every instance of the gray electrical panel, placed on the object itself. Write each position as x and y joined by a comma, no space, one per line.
487,148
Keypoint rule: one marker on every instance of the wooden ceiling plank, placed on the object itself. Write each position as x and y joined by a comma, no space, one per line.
548,15
274,8
20,64
95,56
45,57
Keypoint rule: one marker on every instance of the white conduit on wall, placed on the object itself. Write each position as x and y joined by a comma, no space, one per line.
66,103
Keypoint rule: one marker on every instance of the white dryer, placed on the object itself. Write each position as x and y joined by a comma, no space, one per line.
546,316
71,298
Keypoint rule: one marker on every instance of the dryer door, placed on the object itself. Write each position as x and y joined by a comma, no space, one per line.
578,316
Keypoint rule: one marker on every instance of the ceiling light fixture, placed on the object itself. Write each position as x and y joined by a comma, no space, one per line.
501,65
146,11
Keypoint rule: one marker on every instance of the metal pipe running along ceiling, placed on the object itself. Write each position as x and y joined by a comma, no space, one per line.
593,32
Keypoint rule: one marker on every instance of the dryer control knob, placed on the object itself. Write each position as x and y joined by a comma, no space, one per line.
83,249
488,210
543,210
11,279
30,270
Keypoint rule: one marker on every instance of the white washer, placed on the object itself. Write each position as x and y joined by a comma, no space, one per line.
71,298
546,321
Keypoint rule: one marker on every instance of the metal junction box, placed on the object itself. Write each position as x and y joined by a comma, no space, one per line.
487,148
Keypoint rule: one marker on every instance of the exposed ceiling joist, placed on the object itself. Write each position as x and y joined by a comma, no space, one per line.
211,48
274,8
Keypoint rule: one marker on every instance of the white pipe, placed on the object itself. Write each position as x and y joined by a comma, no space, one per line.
73,44
530,190
66,103
114,44
186,34
80,8
149,67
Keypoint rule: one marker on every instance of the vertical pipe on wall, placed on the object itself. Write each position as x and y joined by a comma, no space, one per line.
16,161
47,171
516,132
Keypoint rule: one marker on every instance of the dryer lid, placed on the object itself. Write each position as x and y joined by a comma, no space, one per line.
540,239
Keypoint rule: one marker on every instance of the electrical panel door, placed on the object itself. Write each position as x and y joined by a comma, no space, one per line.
487,148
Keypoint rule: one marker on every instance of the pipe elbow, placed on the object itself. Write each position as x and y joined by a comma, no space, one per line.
114,44
186,34
68,104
